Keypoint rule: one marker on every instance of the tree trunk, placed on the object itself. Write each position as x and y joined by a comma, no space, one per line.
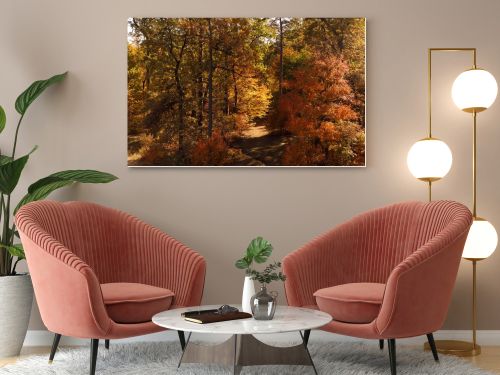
235,89
281,58
226,110
180,93
199,83
210,78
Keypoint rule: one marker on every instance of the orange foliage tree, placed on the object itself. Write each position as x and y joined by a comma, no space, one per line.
317,109
211,151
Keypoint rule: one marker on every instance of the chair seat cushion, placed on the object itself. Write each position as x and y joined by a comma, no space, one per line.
351,303
135,303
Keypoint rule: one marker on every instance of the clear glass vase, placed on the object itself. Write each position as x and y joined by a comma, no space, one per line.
263,304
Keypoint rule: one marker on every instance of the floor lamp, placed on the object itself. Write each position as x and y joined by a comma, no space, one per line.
473,91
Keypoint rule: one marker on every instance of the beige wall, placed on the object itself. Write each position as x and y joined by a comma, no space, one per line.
82,124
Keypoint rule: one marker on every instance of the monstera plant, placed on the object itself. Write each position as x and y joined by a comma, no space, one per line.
16,292
258,251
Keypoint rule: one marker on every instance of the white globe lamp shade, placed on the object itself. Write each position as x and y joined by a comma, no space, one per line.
429,159
481,241
474,90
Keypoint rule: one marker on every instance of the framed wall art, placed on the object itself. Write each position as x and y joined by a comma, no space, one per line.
246,91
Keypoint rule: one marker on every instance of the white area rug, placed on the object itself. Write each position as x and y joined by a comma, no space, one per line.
161,358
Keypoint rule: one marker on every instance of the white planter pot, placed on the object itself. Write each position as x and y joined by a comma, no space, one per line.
248,292
16,298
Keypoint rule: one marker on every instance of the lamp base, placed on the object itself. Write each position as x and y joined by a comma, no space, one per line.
456,348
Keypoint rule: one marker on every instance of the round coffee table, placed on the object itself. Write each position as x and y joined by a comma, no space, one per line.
242,348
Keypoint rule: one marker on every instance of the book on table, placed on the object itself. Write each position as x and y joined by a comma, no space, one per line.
213,316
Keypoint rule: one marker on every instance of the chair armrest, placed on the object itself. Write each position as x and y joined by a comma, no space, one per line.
321,263
167,263
66,289
419,289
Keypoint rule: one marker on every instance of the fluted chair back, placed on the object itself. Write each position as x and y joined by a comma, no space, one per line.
368,247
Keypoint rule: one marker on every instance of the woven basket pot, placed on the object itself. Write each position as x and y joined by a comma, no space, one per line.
16,298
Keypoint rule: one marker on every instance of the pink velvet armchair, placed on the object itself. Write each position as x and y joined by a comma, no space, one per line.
385,274
99,273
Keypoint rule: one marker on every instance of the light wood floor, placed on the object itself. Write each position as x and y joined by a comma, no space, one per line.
488,360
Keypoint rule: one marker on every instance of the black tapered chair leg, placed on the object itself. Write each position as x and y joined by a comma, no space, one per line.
432,344
392,355
307,333
381,344
106,344
182,339
55,344
94,346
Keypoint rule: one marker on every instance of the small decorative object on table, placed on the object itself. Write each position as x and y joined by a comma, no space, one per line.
263,303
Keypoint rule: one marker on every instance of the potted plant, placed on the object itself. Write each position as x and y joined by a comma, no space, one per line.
258,251
16,291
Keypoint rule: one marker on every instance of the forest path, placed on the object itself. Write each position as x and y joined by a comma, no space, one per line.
256,131
261,146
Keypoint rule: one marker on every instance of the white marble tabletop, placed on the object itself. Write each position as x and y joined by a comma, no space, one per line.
286,319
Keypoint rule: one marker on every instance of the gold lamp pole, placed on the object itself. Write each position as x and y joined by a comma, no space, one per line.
473,91
475,349
429,159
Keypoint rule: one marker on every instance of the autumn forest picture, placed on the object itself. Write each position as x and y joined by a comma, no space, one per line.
246,91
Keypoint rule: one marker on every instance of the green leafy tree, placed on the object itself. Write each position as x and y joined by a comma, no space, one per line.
11,169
